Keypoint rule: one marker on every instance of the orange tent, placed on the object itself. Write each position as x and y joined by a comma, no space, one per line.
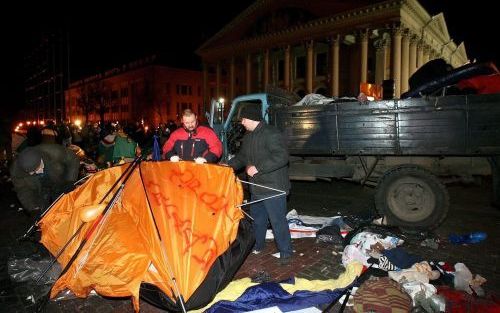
168,225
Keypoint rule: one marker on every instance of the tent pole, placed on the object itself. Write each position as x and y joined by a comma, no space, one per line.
90,231
80,227
169,270
280,193
32,228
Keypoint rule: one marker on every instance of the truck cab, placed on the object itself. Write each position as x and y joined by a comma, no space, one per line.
228,127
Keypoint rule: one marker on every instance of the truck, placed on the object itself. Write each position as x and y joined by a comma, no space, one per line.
406,148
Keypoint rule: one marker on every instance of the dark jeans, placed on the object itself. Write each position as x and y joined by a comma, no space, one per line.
275,210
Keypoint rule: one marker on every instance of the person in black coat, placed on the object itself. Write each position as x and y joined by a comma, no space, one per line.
265,157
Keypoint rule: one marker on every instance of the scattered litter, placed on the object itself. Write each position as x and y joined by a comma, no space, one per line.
31,298
302,254
276,255
334,253
380,221
261,277
431,243
12,205
473,237
465,281
19,209
302,226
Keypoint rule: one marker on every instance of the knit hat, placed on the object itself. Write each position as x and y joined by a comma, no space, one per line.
29,159
251,112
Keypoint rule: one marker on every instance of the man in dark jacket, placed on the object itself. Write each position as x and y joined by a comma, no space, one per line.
265,156
41,173
192,142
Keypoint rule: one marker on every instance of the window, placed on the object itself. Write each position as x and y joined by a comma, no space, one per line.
124,92
300,67
281,69
114,94
124,108
321,65
184,90
167,88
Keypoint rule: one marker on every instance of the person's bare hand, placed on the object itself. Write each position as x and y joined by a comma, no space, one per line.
252,170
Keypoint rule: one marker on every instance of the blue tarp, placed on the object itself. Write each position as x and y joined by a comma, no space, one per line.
272,294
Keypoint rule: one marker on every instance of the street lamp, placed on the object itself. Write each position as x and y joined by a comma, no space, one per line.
220,108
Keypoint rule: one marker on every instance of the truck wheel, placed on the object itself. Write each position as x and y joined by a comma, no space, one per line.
412,198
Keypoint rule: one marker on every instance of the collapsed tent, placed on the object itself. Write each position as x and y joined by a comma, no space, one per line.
171,233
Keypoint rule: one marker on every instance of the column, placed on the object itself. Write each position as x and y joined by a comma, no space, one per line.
335,48
363,35
231,79
309,69
420,54
380,61
433,55
405,58
396,60
248,73
426,56
266,69
217,80
286,68
413,56
388,56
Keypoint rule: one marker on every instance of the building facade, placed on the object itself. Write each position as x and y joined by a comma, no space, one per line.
324,46
139,91
46,77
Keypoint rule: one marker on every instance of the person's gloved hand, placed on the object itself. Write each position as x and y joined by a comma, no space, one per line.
200,160
175,158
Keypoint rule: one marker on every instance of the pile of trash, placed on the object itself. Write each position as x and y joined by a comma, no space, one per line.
416,283
429,284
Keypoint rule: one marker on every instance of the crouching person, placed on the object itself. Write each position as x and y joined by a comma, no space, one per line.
41,173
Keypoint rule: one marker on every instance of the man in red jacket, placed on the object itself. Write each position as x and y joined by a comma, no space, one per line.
192,142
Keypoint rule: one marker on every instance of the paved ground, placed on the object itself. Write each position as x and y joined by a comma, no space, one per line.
470,211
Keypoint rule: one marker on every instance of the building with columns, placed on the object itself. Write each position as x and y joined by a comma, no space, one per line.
140,90
324,46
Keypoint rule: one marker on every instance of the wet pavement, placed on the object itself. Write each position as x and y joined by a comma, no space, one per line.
469,211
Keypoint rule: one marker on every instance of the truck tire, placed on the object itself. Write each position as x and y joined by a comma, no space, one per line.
412,198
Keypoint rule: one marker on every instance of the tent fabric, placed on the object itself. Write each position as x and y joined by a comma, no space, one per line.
237,287
219,276
272,294
196,214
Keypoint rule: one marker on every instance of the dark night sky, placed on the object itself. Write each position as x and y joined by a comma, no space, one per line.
102,37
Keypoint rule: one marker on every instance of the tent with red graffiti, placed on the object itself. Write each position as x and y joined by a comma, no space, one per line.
172,234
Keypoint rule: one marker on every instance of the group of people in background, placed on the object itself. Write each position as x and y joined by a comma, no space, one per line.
46,166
